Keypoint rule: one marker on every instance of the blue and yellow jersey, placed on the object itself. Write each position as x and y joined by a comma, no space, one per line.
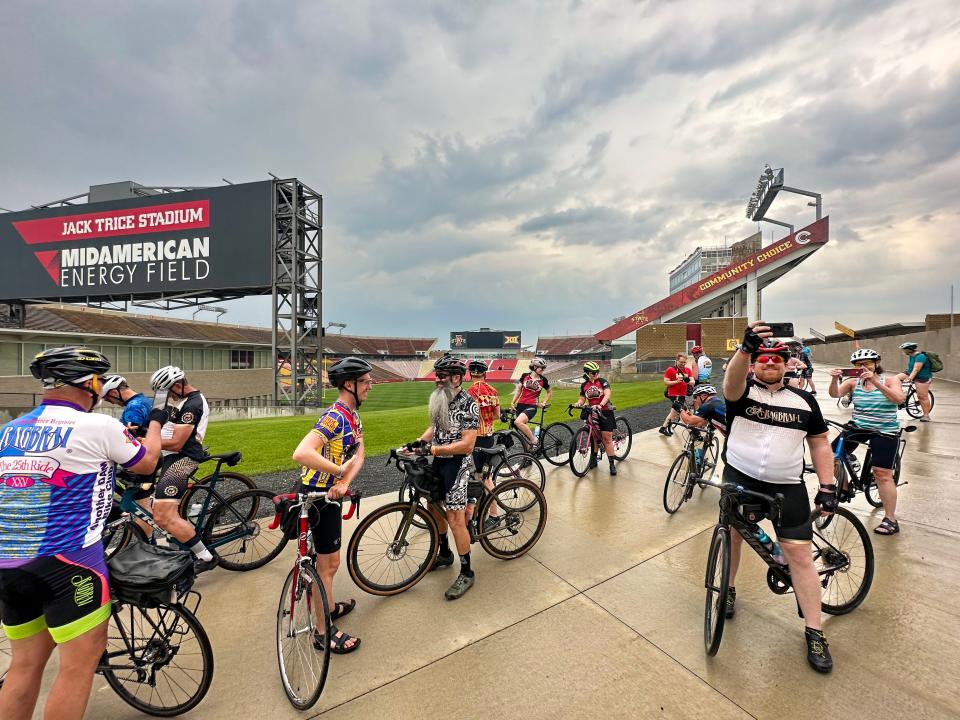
342,430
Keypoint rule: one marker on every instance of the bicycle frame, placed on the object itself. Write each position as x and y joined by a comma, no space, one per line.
858,481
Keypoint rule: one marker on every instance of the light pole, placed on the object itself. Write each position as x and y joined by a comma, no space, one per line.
323,360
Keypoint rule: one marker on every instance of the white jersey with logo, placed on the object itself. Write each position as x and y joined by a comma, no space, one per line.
56,479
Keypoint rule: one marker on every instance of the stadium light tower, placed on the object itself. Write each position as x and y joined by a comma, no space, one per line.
210,308
339,325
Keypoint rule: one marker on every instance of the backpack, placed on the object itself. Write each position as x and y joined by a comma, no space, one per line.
936,364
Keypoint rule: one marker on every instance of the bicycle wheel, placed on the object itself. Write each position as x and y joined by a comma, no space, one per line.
513,517
581,453
913,405
118,534
522,466
843,555
303,669
388,553
228,483
872,492
238,531
675,487
622,438
555,442
717,583
406,496
158,660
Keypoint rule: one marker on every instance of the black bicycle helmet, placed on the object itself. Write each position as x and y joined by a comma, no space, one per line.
452,365
68,365
350,368
477,367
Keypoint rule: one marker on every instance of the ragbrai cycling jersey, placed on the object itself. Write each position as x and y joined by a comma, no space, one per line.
531,385
489,403
341,428
136,410
714,411
192,410
56,479
766,430
592,390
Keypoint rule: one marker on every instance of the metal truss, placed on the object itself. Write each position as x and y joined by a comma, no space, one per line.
297,293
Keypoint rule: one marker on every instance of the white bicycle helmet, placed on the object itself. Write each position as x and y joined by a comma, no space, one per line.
538,362
166,377
909,346
112,382
865,354
704,390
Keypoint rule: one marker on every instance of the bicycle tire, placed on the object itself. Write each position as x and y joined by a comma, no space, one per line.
912,405
622,438
837,529
405,496
393,550
718,587
555,443
117,536
228,483
302,691
675,488
157,657
872,493
238,531
521,466
515,512
580,452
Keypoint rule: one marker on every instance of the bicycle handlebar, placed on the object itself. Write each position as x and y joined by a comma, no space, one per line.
847,430
312,497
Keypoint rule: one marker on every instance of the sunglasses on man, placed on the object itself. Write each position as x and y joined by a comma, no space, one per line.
764,359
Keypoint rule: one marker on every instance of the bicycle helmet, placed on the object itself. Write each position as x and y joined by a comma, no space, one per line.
477,367
68,365
538,363
865,354
696,350
166,377
590,367
909,346
450,364
350,368
112,382
772,348
704,390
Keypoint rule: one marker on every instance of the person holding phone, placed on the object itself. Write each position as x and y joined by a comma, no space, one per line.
876,398
678,380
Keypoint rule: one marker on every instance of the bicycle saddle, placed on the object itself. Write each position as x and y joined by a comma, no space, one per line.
490,451
230,459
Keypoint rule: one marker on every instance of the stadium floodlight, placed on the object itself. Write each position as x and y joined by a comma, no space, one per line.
339,325
210,308
768,186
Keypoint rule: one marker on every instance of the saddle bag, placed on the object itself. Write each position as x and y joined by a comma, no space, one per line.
147,575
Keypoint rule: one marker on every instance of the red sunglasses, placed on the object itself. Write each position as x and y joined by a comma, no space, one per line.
764,359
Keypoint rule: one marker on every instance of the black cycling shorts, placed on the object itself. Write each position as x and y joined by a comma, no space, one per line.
480,458
883,449
808,372
679,402
795,524
65,595
175,472
529,410
326,524
607,422
454,473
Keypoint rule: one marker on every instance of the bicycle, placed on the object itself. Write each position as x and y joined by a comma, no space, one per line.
395,545
233,526
152,653
911,401
554,440
586,448
849,477
842,553
302,594
700,454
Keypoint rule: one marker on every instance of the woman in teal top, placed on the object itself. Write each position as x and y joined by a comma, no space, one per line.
918,372
876,397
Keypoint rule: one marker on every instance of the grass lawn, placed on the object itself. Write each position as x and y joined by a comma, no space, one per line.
393,414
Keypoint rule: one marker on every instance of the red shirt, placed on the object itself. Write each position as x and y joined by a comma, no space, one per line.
489,402
531,385
592,390
679,390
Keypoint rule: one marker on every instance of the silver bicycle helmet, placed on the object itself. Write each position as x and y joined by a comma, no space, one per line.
166,377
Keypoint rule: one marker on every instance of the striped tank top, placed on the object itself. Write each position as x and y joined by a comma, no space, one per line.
873,411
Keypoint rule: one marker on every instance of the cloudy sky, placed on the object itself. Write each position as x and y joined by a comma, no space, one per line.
532,165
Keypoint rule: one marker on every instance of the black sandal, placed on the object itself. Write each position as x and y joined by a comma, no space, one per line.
887,527
338,641
347,608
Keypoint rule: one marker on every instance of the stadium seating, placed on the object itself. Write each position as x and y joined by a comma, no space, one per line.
569,345
407,369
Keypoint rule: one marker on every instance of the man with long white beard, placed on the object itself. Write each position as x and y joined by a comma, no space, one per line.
454,420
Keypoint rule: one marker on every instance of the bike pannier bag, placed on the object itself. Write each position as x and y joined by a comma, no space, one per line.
147,575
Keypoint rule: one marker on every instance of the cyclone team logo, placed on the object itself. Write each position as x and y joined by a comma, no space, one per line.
802,237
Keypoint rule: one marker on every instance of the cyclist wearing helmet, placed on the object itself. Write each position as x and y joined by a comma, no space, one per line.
526,396
136,406
876,397
489,403
182,453
330,456
806,356
767,424
708,409
595,392
795,365
918,372
703,363
56,490
678,378
454,421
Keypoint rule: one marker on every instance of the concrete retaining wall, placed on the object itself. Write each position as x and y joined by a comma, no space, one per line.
944,342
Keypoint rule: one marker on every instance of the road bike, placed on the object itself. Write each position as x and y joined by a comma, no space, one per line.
303,668
586,447
158,657
911,400
234,527
554,439
395,545
698,458
848,474
842,554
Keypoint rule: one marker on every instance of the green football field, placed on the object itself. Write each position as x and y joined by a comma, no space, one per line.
393,414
